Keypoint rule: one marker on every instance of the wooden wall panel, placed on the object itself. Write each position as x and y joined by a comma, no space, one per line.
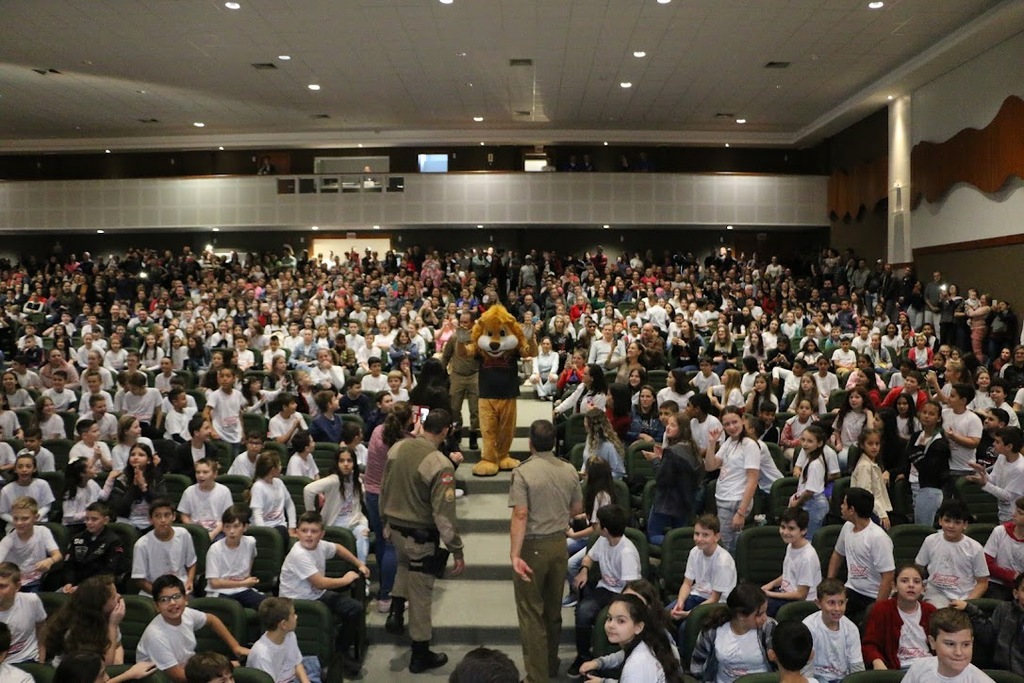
860,187
984,158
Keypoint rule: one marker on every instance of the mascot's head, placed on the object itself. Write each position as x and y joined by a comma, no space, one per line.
497,333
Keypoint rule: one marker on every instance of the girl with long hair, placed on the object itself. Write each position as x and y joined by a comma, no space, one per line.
89,622
342,493
271,504
810,489
81,491
739,462
735,638
855,415
632,626
597,492
678,475
602,441
137,486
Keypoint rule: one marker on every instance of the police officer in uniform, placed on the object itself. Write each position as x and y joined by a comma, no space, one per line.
544,495
417,509
464,375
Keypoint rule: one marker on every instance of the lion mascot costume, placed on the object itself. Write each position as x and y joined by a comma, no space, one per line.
498,343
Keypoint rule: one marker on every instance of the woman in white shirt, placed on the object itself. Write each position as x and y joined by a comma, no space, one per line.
739,462
342,493
545,370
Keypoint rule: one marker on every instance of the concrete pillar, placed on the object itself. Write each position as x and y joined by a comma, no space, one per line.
899,245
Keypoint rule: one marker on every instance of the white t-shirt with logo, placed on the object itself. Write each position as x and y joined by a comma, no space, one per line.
205,507
299,565
737,655
21,619
868,554
226,414
913,641
953,568
737,457
223,562
169,646
153,558
620,563
836,653
801,567
965,424
716,572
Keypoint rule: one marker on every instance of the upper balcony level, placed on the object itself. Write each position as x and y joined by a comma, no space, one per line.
416,200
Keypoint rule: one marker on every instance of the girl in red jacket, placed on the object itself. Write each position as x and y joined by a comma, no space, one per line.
896,632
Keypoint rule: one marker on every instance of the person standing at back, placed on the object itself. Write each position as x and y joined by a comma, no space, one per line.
417,509
544,495
464,372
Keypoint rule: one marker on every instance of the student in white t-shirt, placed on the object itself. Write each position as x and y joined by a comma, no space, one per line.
8,672
224,409
22,612
962,429
204,502
169,640
166,549
277,653
956,564
867,551
837,651
269,499
1006,480
951,636
702,423
302,464
304,577
710,572
229,561
810,488
739,463
286,424
244,463
801,568
144,403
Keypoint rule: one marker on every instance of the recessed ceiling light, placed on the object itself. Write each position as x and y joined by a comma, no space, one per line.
606,226
141,92
233,5
315,227
741,120
728,227
664,2
198,124
360,144
99,232
876,5
727,144
313,86
469,85
479,226
284,58
639,54
216,229
481,144
478,119
221,148
447,2
106,151
376,227
889,97
460,54
605,143
625,84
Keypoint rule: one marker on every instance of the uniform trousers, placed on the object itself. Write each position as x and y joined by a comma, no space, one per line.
539,604
466,388
416,587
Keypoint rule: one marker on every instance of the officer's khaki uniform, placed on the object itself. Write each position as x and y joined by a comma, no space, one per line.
549,488
417,503
463,375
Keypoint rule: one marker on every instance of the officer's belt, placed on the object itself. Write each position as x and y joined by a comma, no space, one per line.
419,535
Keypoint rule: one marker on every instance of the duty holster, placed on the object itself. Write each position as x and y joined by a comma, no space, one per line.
431,564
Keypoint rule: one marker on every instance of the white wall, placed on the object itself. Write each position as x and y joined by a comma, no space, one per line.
969,97
635,199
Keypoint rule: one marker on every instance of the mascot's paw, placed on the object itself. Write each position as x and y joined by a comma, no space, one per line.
508,464
485,468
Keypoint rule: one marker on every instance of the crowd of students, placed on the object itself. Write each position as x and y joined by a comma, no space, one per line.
721,374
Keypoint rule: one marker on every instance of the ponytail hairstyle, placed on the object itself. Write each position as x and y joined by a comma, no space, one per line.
73,476
655,638
821,435
745,599
396,424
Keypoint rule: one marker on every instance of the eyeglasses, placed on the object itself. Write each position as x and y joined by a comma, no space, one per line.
167,599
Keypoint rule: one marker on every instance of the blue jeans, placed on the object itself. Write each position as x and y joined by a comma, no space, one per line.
926,504
817,508
575,559
692,601
387,558
658,523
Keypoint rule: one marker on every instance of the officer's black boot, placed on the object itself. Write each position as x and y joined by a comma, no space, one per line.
423,659
473,445
395,624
